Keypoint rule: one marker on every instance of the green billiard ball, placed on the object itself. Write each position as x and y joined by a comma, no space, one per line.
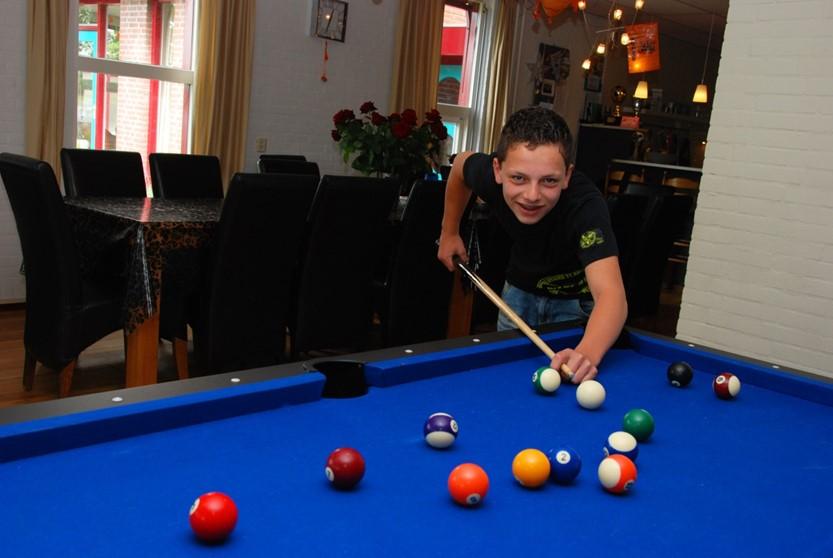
639,423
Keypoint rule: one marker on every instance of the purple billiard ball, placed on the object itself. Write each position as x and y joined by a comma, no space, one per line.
440,430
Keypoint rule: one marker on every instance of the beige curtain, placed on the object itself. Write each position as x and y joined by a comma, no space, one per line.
496,109
223,81
46,52
416,62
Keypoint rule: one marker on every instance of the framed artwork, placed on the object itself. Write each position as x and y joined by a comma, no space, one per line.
331,20
550,70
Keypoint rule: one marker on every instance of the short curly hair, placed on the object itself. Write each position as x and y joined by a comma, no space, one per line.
536,126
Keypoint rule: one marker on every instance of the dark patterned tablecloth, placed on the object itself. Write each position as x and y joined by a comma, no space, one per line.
146,235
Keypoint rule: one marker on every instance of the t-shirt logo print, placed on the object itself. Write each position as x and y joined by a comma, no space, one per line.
591,238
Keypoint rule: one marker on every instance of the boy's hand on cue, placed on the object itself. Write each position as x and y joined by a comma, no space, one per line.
575,365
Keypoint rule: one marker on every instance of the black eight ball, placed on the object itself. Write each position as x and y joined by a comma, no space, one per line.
680,374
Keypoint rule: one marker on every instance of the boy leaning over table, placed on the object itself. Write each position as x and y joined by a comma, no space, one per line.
564,262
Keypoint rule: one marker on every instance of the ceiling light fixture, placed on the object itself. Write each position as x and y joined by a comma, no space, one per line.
701,93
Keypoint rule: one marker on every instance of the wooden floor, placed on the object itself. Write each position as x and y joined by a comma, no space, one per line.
101,367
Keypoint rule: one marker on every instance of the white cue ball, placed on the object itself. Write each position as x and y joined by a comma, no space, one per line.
590,394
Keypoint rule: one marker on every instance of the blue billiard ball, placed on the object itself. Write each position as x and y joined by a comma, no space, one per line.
565,464
622,443
440,430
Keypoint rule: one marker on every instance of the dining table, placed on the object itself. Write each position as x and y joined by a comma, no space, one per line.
138,239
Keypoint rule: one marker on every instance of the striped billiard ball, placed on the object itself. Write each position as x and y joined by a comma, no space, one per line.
621,443
726,386
440,430
546,380
617,474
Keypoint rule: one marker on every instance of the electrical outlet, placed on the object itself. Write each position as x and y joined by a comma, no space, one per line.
260,145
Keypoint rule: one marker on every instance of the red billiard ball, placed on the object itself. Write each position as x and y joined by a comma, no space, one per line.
468,484
345,468
726,386
213,516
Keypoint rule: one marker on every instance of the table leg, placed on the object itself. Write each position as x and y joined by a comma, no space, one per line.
460,307
143,352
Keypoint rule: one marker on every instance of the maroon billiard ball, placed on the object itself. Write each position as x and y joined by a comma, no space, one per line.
213,516
345,468
726,386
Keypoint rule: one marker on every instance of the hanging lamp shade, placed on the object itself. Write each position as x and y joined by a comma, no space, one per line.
701,94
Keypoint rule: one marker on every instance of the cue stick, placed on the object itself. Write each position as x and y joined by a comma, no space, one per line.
503,307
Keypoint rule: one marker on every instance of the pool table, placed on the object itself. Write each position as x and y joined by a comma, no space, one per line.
114,474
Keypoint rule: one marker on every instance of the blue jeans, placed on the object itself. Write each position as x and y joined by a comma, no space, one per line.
536,310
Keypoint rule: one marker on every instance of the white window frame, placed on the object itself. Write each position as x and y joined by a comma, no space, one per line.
79,63
469,119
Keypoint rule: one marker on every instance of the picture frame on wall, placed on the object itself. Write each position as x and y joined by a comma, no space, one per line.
551,69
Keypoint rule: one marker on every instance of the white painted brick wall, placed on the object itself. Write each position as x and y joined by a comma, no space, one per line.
290,106
12,122
760,275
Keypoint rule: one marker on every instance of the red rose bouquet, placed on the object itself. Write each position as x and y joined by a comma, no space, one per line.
397,144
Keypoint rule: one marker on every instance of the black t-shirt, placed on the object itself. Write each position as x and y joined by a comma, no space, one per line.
549,257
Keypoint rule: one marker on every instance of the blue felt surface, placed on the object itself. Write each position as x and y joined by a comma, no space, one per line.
750,477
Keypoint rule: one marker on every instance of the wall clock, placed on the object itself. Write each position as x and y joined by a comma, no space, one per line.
331,20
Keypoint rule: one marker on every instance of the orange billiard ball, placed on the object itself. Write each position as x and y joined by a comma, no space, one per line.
468,484
531,468
213,516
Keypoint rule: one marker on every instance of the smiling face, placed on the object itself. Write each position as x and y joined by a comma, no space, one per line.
532,179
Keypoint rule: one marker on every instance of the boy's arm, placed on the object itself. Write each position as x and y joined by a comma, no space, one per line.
457,195
606,320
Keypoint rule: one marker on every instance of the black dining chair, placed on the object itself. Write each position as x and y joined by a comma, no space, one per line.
646,228
245,304
175,175
343,249
65,312
289,166
265,159
419,286
92,172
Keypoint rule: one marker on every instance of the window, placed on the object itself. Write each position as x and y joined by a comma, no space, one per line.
134,75
460,88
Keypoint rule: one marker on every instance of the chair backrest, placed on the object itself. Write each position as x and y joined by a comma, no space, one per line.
344,245
645,189
264,159
656,221
255,259
288,166
419,285
93,172
174,175
53,281
681,182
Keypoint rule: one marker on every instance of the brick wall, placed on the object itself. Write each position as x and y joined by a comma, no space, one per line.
12,107
135,40
760,277
290,105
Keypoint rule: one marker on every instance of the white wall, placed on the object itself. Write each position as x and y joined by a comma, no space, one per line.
760,276
291,107
12,121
